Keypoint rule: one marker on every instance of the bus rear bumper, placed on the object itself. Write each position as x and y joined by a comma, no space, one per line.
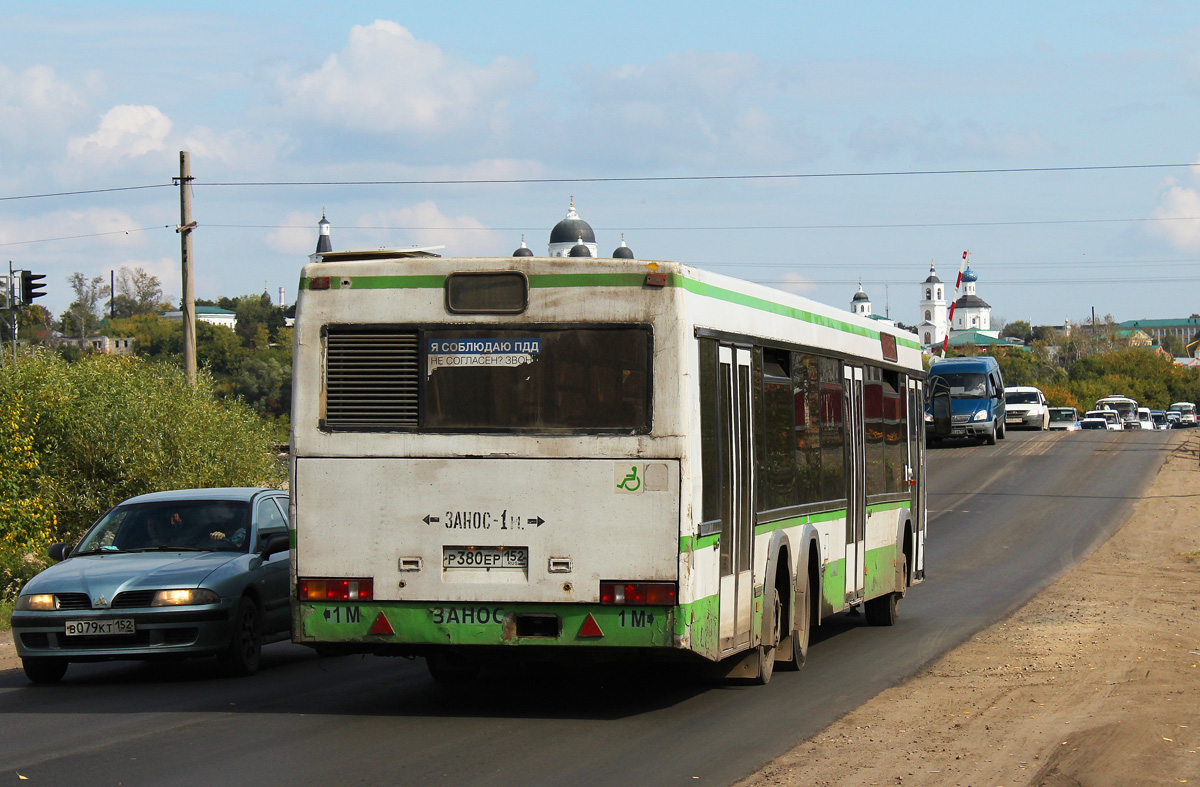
413,628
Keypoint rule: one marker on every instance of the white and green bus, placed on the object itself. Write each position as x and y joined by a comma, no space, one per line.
544,458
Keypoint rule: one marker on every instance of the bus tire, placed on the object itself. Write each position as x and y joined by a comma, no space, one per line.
885,610
793,649
766,653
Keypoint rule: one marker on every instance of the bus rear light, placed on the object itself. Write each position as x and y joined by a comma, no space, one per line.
657,594
336,589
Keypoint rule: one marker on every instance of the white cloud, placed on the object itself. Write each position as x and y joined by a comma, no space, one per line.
935,140
386,81
112,228
36,107
295,235
125,131
1176,206
794,282
238,149
425,225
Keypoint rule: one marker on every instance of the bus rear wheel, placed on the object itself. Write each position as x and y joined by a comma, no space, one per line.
793,649
444,668
885,610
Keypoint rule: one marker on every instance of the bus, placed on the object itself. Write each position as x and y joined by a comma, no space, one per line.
1126,408
537,459
1187,412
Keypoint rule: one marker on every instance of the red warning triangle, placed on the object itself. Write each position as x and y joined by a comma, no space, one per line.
381,626
590,627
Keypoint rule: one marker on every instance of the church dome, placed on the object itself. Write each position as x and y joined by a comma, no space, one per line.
580,250
860,296
571,228
524,251
969,275
623,252
933,279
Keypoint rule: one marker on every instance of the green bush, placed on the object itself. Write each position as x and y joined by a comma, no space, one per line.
77,438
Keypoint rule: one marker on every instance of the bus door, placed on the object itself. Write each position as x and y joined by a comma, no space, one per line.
916,474
737,496
856,483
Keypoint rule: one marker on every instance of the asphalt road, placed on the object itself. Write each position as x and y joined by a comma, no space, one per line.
1005,520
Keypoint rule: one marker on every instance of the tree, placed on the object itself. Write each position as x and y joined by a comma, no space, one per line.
1018,329
254,311
81,317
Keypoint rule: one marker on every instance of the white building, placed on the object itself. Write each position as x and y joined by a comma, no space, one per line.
971,313
935,322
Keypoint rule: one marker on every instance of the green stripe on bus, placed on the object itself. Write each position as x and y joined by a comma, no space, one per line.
879,507
807,519
544,280
692,543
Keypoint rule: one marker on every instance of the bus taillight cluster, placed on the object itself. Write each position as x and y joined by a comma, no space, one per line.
658,594
335,589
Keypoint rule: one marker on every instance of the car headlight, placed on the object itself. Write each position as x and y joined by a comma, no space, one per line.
982,415
35,602
184,597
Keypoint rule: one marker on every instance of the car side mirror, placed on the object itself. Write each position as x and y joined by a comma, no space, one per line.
939,406
280,542
59,552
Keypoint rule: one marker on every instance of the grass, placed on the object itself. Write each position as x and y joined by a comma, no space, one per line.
6,606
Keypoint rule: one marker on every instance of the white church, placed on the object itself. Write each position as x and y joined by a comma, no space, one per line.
972,314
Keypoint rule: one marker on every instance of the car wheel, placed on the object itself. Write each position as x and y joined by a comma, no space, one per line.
44,670
1003,430
244,652
990,437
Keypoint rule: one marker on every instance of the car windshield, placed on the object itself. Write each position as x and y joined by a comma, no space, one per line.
1062,415
971,385
171,525
1021,397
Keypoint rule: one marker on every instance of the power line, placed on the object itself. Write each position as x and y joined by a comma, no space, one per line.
727,227
676,178
89,235
85,191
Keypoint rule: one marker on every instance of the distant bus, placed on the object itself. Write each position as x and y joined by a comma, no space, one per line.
536,458
1187,413
1125,407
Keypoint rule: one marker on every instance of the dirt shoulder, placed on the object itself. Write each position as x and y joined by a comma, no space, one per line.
1095,682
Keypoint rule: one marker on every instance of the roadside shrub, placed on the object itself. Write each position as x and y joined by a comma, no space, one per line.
92,433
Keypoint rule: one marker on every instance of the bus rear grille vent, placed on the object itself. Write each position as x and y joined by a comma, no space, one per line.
371,379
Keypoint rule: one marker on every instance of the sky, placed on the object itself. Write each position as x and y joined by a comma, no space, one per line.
804,145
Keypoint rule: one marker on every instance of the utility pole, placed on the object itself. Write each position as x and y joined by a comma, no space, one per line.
188,306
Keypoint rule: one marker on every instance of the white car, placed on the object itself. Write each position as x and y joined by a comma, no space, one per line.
1111,417
1145,420
1065,418
1025,405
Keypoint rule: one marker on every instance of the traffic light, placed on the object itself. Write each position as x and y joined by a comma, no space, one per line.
31,286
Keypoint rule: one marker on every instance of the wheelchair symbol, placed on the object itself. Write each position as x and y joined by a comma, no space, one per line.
631,482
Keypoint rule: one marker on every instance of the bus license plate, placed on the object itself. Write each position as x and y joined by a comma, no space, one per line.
100,628
484,557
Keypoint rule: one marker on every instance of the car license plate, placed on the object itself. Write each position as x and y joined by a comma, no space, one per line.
100,628
484,557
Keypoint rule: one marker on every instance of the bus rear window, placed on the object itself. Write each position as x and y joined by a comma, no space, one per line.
539,380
